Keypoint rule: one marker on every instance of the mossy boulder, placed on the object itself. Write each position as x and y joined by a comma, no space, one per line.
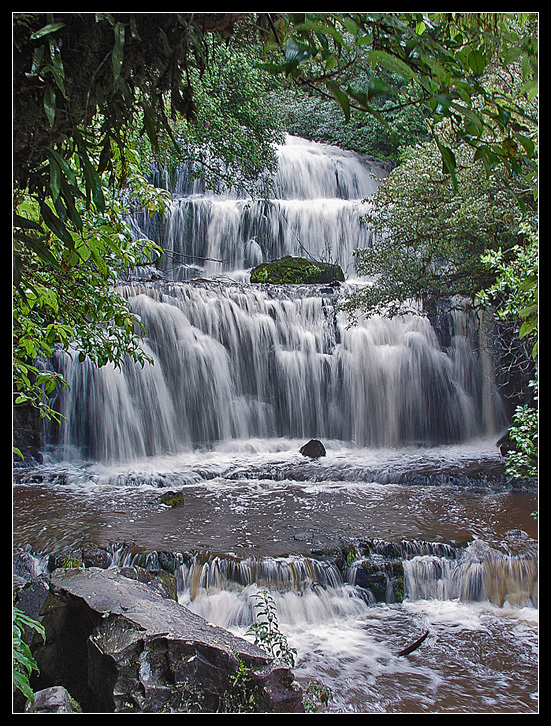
297,271
172,499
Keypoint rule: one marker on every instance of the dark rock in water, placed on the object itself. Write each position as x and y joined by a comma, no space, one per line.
118,646
314,449
504,444
297,271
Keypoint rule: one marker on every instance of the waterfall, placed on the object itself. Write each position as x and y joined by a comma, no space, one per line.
234,360
317,590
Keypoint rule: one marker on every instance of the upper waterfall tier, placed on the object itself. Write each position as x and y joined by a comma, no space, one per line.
310,170
313,211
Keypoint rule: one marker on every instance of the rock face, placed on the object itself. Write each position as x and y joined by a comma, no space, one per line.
119,646
297,271
314,449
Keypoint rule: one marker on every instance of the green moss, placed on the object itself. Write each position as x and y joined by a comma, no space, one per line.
296,271
173,499
71,562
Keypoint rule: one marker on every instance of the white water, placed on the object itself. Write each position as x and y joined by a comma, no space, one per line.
245,374
314,212
234,362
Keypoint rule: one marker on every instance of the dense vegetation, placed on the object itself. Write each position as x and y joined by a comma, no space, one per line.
450,98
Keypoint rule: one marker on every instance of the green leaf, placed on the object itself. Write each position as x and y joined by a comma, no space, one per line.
118,50
392,63
295,53
24,223
56,226
529,326
341,97
449,164
322,28
46,30
49,103
476,62
55,179
528,145
93,182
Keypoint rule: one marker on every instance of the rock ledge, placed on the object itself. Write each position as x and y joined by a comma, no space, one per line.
119,646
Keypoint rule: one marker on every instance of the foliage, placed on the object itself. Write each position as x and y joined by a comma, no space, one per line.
442,58
316,693
64,295
515,293
23,661
266,631
307,114
429,238
230,143
522,460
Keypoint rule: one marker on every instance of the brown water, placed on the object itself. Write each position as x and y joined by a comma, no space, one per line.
267,509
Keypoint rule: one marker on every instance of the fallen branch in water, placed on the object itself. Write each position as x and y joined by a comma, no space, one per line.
414,645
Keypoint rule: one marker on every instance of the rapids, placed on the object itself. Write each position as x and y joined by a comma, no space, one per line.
407,525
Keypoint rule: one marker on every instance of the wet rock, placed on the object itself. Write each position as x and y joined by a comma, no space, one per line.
119,646
297,271
52,700
172,499
314,449
163,582
86,555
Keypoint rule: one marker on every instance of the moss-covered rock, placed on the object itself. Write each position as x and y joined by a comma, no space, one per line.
297,271
172,499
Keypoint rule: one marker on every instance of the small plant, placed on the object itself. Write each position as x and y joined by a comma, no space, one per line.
244,693
269,637
316,693
23,661
267,634
71,563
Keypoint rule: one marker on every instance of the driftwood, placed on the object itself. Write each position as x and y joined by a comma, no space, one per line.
414,645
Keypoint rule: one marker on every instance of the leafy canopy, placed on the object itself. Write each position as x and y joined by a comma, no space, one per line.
442,59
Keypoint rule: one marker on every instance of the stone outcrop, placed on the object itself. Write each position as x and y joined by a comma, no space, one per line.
118,645
53,700
297,271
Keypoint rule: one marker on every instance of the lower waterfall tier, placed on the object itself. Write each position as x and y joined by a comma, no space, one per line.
235,361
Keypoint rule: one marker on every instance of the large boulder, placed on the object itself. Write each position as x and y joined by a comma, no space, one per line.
297,271
119,646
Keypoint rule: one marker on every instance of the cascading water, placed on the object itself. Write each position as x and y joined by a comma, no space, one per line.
406,525
314,212
234,360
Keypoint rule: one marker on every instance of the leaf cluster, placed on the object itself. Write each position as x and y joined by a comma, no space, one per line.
23,660
429,238
443,59
266,630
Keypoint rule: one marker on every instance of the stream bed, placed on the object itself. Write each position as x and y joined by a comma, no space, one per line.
259,516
